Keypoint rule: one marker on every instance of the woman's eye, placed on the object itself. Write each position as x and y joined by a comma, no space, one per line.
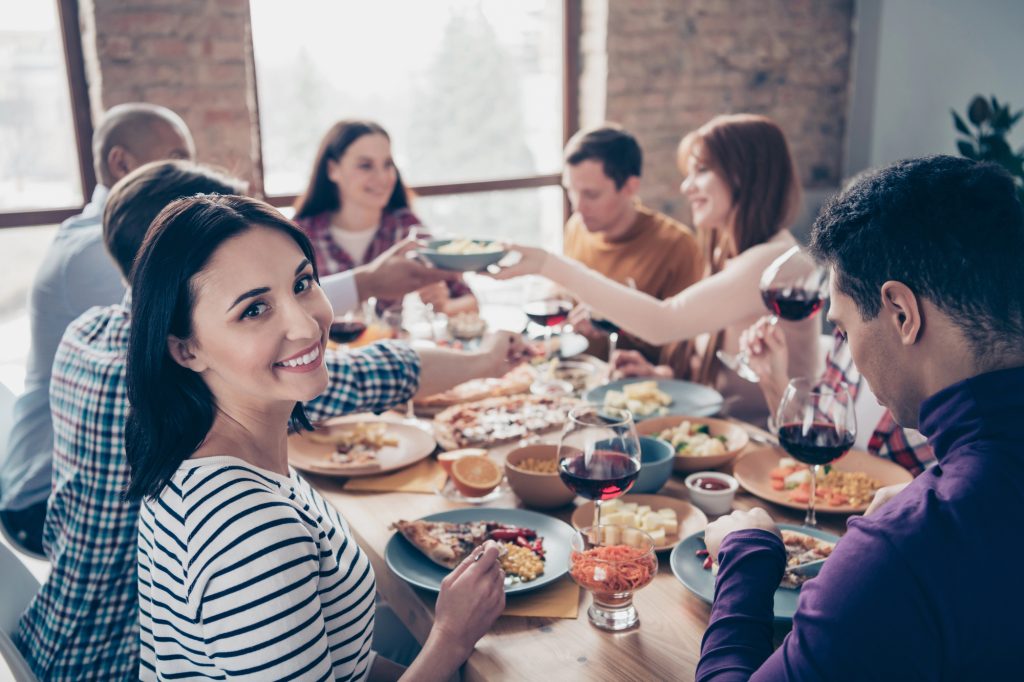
303,283
255,310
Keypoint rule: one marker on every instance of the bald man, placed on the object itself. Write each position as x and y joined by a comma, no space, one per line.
76,274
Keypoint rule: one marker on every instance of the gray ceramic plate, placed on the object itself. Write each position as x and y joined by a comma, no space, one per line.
688,398
409,564
689,568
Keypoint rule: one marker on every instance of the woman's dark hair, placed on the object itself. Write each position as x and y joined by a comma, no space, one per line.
172,409
321,194
139,196
950,228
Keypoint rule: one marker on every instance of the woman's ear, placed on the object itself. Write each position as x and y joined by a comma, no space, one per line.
182,352
332,170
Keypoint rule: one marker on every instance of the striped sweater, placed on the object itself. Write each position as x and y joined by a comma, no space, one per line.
246,574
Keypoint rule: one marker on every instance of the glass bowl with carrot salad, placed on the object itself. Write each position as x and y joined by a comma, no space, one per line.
612,563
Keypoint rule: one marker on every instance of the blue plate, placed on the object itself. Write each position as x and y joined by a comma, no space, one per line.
688,399
462,262
689,568
409,564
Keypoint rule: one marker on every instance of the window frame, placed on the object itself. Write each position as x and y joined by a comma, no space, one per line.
81,116
81,112
571,25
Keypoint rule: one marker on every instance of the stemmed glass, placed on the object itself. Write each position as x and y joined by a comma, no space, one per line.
791,290
816,425
598,456
549,313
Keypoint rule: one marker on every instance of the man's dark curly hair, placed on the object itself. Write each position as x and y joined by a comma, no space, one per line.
949,228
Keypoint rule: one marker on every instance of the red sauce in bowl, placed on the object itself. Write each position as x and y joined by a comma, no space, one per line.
708,483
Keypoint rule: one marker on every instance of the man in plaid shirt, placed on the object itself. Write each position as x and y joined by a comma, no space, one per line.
83,623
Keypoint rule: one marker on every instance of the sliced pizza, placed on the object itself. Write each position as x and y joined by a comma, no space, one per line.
514,382
801,549
443,542
495,421
448,544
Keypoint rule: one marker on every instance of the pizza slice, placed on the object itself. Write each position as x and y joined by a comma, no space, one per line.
444,543
801,549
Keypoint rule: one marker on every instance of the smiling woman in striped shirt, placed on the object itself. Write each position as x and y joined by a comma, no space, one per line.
244,570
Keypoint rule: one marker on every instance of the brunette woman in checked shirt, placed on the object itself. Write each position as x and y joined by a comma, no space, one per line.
356,207
244,570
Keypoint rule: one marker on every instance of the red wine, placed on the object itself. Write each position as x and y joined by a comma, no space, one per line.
604,325
602,476
792,304
547,313
346,332
818,444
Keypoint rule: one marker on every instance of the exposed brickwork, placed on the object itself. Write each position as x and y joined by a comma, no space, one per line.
189,55
673,64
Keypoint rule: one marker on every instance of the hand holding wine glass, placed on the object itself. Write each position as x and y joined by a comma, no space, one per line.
792,288
598,457
816,425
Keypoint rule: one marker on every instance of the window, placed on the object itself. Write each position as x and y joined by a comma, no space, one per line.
471,92
39,165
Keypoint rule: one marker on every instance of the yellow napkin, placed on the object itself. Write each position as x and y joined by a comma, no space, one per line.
426,476
561,599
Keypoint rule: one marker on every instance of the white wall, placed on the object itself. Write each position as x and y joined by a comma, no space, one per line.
917,59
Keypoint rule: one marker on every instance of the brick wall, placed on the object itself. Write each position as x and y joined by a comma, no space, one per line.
188,55
673,64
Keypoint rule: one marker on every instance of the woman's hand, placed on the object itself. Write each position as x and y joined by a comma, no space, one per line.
471,599
630,363
435,294
502,351
767,354
883,495
531,260
579,319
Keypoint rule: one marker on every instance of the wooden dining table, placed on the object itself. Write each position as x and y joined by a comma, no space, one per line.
665,645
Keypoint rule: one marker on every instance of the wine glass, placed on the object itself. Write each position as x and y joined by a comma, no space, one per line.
816,425
598,455
790,290
549,313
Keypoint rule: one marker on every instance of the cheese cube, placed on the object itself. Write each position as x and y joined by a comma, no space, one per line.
658,535
670,526
629,506
667,512
612,535
643,510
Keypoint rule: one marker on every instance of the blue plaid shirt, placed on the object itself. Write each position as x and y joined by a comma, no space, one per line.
84,622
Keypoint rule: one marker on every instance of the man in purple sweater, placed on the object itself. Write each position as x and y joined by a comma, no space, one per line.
928,285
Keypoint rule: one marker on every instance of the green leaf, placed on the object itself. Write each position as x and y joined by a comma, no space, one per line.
959,123
966,149
978,110
1001,119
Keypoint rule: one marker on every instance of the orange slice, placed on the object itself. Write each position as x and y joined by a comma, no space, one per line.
445,459
475,475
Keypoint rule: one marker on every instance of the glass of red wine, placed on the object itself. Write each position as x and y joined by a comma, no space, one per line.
598,457
793,288
548,313
816,425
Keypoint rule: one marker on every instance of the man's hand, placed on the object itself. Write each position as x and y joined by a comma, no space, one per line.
398,271
716,531
883,495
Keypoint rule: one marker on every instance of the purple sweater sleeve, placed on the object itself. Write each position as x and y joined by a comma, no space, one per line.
867,616
739,634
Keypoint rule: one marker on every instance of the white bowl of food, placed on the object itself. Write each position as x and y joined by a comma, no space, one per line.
700,443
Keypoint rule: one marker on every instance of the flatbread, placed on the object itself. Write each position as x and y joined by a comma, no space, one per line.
495,421
514,382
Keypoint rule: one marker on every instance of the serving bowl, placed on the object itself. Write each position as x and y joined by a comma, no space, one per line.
462,262
736,439
656,459
539,490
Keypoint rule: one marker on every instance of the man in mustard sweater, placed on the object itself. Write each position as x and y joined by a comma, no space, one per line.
612,232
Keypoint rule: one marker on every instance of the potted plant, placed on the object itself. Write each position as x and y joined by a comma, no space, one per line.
991,121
